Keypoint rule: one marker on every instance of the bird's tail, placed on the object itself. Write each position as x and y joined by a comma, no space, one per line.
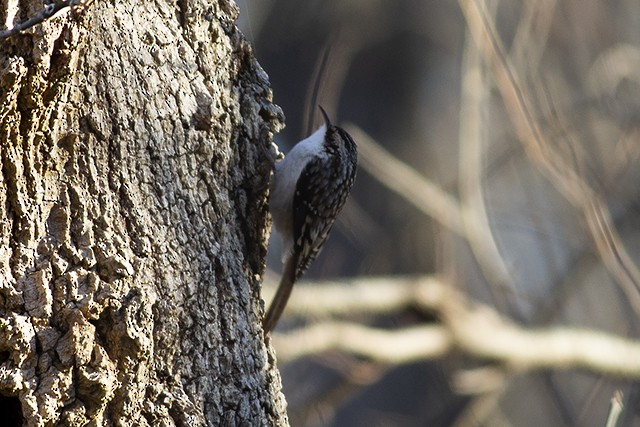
282,295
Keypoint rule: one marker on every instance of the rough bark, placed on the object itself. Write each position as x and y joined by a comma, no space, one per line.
135,155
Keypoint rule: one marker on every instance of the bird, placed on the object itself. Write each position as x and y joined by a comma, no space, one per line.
309,188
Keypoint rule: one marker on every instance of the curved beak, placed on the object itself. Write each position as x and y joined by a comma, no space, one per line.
327,121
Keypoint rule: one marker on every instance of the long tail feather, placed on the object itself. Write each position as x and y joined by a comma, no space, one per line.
282,295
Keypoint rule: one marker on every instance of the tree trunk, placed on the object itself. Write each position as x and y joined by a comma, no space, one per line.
135,157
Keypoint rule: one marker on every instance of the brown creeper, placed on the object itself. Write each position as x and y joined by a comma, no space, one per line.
309,188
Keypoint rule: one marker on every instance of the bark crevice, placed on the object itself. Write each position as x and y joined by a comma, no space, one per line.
135,167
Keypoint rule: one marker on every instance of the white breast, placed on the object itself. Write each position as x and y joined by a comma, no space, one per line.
284,183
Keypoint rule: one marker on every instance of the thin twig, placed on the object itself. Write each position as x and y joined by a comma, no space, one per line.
616,409
47,12
474,213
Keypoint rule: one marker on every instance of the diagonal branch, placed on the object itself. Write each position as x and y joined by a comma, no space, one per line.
405,181
47,12
549,162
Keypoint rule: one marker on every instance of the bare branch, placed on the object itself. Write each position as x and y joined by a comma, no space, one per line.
473,328
358,296
474,94
47,12
469,221
549,161
616,409
416,189
403,346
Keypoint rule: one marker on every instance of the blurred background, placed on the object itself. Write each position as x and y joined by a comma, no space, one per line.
499,152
